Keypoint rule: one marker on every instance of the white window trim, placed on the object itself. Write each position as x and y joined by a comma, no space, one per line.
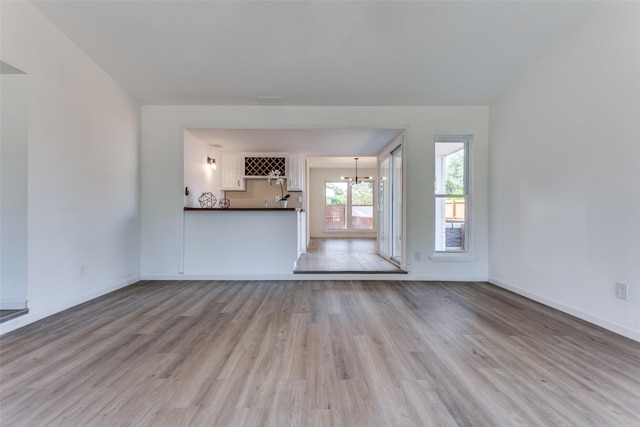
467,254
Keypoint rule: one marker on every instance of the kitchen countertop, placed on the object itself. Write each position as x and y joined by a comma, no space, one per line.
245,209
223,242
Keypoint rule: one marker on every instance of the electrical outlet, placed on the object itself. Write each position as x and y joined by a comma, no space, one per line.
299,199
622,291
417,256
82,270
276,198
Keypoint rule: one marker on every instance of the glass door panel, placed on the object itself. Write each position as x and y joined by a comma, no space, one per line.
384,212
396,208
390,205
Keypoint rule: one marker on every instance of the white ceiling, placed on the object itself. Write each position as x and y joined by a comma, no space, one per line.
363,53
341,143
314,52
342,162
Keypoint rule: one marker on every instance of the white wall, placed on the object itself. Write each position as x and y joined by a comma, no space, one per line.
198,175
13,191
317,179
83,168
162,172
565,201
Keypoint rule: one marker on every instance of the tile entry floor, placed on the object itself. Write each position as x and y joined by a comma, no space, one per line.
344,256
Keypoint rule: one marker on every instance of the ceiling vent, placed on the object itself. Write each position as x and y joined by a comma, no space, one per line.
270,100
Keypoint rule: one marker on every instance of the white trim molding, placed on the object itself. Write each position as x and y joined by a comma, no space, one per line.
603,323
13,304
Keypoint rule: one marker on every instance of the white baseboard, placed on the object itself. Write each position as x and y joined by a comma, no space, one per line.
34,316
411,276
613,327
290,276
13,304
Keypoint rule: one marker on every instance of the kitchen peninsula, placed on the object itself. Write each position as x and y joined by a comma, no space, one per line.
218,243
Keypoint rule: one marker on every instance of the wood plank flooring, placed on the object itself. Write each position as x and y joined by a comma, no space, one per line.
344,256
12,314
316,353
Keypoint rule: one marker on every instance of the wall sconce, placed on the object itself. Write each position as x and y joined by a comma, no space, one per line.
211,162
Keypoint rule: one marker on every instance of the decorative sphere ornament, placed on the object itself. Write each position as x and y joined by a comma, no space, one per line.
207,200
225,203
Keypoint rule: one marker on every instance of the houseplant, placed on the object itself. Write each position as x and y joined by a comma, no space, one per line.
279,180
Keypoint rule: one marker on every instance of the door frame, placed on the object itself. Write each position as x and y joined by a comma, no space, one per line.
398,143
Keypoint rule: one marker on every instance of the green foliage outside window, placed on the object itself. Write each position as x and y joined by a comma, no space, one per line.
455,173
336,193
362,194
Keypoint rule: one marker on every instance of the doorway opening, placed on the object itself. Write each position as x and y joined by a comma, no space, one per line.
348,217
356,227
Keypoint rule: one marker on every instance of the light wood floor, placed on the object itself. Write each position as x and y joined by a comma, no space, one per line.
12,314
344,256
317,353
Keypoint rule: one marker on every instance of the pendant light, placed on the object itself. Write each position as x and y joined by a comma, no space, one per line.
356,179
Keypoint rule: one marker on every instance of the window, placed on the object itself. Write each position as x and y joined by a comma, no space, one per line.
451,192
348,206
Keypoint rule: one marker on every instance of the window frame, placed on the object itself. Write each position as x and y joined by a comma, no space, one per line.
466,140
349,208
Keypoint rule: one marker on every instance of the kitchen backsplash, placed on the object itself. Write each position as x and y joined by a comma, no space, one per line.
259,191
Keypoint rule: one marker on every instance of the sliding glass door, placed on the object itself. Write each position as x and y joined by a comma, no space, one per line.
384,212
390,203
396,205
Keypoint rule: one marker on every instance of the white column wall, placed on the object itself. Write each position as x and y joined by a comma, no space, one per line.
83,168
564,175
13,191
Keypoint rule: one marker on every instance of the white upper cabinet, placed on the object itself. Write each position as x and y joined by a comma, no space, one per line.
232,171
235,168
295,172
